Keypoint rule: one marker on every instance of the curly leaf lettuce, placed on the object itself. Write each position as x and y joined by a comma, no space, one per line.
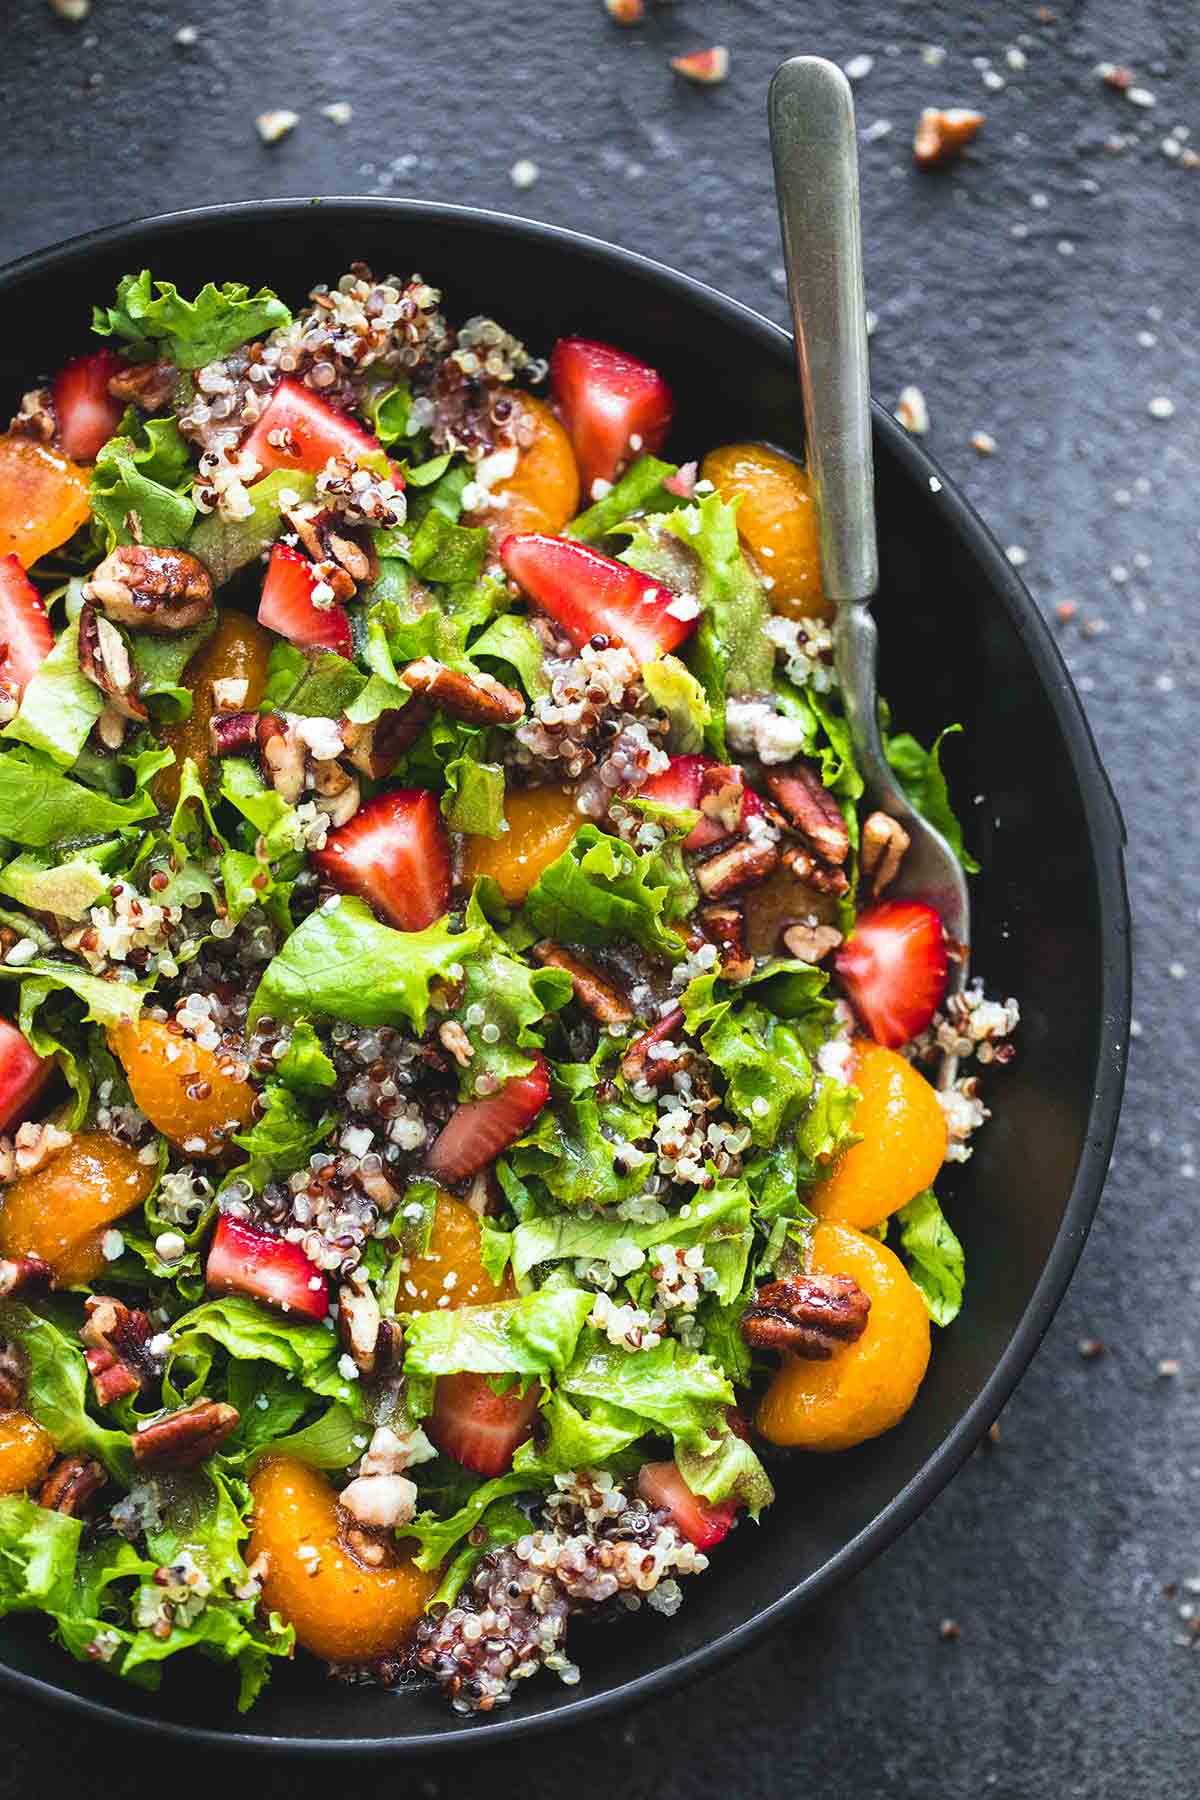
59,706
536,1335
935,1256
39,805
154,319
601,889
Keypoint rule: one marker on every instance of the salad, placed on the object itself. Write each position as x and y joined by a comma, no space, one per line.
464,1077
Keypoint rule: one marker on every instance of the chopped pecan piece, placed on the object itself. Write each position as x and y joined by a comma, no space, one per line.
739,866
942,136
104,658
638,1064
375,749
338,560
156,590
810,1315
884,843
12,1377
71,1484
726,926
180,1440
282,752
148,385
24,1275
359,1324
36,418
810,943
118,1355
475,699
812,809
338,792
811,870
597,996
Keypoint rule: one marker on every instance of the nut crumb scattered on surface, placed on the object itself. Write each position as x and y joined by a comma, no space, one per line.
339,112
707,67
983,442
1169,1366
626,12
942,134
74,11
1065,611
524,172
1017,555
271,126
912,411
949,1630
1161,407
1116,75
859,67
1140,96
1091,1348
186,36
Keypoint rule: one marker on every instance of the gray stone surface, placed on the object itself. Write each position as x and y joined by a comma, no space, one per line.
1044,291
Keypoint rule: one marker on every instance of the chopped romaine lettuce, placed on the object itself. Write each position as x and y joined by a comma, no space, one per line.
935,1256
532,1336
600,889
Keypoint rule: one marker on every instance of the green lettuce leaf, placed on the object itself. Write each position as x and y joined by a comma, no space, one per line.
39,805
726,1468
827,1128
57,1389
139,472
681,1392
504,1002
515,645
600,889
342,963
282,1138
304,1066
155,320
474,798
38,1549
676,692
105,1002
502,1523
159,661
536,1335
246,1331
438,1535
59,706
920,775
226,545
583,1150
569,1437
441,550
67,888
935,1256
639,489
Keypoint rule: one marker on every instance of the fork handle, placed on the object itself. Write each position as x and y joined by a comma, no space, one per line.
815,148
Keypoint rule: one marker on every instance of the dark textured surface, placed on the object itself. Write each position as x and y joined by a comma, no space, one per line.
1052,1547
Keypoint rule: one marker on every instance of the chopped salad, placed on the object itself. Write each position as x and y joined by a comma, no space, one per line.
464,1069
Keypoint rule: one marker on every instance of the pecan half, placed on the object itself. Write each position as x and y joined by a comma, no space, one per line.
739,866
812,809
810,1315
942,135
283,756
375,749
810,943
359,1322
180,1440
475,699
104,658
71,1484
12,1377
726,926
884,842
34,1146
148,385
117,1339
638,1064
24,1275
157,590
597,996
816,874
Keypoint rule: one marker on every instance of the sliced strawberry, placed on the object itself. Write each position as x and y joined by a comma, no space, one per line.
25,635
23,1075
686,784
242,1260
299,430
395,855
478,1130
479,1428
589,593
894,969
702,1524
287,605
614,407
85,411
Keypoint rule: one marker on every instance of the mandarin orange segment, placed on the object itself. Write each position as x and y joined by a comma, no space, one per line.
867,1386
43,499
542,493
903,1142
61,1211
342,1611
450,1273
541,823
184,1090
238,650
777,520
26,1452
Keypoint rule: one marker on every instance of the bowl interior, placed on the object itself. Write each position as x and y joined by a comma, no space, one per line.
961,642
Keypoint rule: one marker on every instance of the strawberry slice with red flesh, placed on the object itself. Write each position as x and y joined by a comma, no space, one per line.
299,430
26,638
479,1428
85,411
894,969
23,1075
686,783
287,605
588,593
607,400
699,1521
242,1260
395,855
478,1130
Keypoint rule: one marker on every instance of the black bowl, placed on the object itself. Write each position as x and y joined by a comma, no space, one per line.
961,640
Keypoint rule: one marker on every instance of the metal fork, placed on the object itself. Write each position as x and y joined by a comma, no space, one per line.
815,149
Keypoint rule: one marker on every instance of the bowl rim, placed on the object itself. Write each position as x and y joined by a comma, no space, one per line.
1106,837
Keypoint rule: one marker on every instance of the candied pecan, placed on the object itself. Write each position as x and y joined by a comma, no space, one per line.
117,1339
637,1064
282,752
71,1484
181,1439
375,749
477,699
810,943
234,733
359,1322
810,1315
155,589
148,385
104,658
12,1377
811,870
24,1275
812,809
338,560
36,418
884,842
739,866
942,135
726,926
596,995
